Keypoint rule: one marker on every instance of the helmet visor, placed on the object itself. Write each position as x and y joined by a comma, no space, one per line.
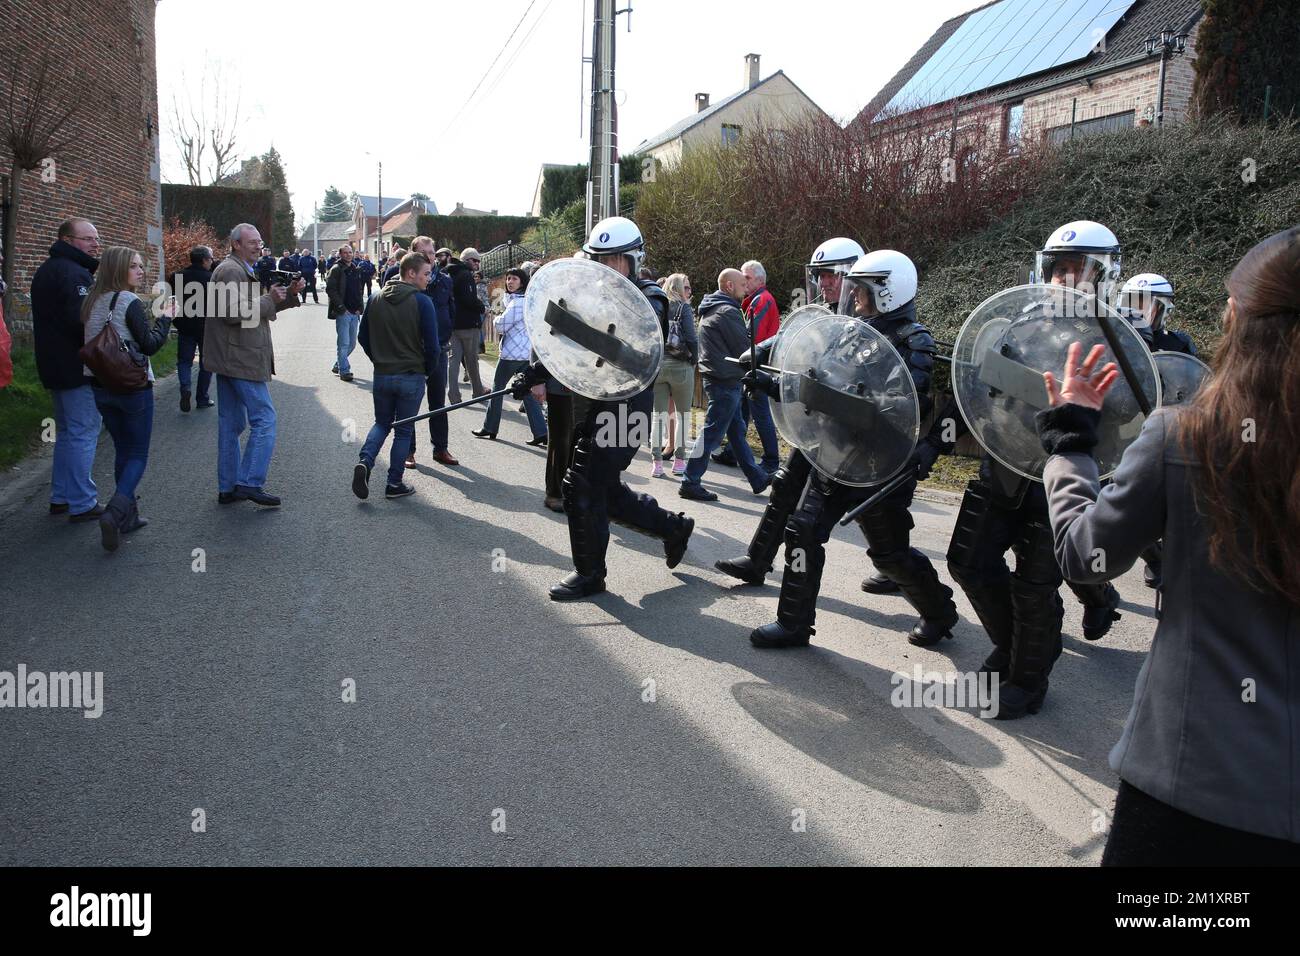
859,295
824,282
1144,309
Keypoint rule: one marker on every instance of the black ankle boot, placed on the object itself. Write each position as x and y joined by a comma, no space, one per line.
110,522
776,635
743,569
577,586
675,543
879,583
1015,701
928,633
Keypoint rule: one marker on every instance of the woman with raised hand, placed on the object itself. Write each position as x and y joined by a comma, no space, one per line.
1207,758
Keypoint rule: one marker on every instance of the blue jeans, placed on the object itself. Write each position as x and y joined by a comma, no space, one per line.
347,325
76,436
240,404
129,419
506,369
438,427
760,411
186,347
396,397
723,417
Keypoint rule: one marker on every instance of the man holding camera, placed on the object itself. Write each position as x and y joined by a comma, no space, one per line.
343,288
237,347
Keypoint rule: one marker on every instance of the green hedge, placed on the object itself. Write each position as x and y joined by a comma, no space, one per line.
223,208
481,232
568,184
1177,199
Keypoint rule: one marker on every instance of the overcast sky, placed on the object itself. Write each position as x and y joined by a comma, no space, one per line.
327,82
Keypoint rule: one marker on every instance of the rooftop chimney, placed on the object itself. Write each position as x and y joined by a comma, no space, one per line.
751,70
701,102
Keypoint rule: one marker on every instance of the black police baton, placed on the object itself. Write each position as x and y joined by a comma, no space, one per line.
890,487
451,408
1125,366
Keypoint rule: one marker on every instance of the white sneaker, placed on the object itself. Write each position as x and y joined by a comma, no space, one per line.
657,469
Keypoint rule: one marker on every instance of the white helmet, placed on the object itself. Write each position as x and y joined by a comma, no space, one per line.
1092,253
614,235
834,256
888,276
1142,292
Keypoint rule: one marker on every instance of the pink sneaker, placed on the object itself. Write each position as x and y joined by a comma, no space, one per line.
679,466
657,469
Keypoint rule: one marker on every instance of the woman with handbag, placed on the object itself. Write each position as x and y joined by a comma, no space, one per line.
119,340
675,385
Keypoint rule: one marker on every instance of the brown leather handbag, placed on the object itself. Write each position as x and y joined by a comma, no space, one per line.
118,366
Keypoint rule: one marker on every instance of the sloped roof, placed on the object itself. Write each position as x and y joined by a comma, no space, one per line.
329,232
1125,44
403,224
681,127
371,204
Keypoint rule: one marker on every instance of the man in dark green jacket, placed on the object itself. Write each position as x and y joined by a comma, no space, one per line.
399,332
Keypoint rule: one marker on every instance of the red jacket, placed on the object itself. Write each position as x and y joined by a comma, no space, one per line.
761,308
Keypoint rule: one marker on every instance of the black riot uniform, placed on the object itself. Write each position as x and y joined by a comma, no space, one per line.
593,489
808,505
1021,610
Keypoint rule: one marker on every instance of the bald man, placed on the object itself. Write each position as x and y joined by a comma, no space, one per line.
723,334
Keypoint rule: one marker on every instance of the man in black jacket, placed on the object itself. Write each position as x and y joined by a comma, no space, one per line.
343,288
308,265
58,289
189,326
265,266
466,320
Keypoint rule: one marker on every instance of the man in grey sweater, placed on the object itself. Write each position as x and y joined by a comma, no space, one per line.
723,334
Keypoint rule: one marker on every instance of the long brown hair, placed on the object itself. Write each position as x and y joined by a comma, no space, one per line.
1243,428
113,275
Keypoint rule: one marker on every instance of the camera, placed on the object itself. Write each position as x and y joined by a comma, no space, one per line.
280,277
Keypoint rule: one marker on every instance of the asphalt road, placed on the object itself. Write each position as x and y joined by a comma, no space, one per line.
491,725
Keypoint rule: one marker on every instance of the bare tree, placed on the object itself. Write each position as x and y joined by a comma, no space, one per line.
204,122
36,127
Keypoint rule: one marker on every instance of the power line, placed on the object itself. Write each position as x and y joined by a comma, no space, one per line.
465,105
518,50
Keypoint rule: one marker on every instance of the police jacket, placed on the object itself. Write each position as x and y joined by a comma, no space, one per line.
307,265
916,346
58,289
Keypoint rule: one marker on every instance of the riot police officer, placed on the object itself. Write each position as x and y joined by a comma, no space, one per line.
1021,610
880,288
823,274
593,489
1147,302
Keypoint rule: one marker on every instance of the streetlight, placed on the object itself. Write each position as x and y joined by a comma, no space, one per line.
379,228
1167,44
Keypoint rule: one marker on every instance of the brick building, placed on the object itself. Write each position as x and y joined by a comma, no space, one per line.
1009,72
110,174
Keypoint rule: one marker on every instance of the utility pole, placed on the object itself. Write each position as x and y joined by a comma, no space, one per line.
602,169
315,230
379,230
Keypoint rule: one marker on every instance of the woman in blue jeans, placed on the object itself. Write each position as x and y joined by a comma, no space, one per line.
127,416
516,351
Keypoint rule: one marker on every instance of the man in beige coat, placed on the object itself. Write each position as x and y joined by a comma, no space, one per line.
237,348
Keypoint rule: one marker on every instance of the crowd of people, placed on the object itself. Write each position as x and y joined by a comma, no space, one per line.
1204,767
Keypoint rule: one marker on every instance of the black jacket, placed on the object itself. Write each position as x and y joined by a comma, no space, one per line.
58,290
191,300
466,306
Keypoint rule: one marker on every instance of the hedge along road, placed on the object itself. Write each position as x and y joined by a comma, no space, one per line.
490,725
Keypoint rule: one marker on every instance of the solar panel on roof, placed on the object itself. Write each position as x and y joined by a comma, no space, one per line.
1006,41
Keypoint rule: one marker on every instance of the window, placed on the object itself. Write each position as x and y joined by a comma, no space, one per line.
1089,127
1015,124
730,134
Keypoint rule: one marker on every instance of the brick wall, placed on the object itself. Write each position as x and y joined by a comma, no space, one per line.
110,174
1133,89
